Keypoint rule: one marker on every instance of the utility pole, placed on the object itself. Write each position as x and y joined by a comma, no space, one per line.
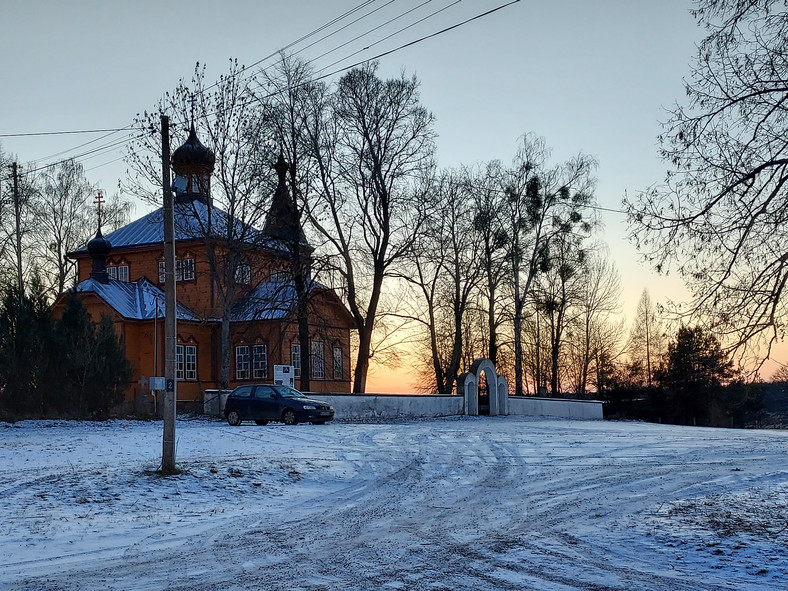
170,319
18,220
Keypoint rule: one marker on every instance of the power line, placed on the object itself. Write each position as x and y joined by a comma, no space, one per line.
56,154
420,39
391,20
111,131
40,133
333,21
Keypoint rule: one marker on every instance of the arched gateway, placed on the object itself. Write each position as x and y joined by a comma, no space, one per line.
468,387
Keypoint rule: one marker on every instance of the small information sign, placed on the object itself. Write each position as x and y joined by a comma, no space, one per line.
157,383
284,375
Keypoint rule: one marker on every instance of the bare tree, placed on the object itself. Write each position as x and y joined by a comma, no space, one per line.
65,221
18,223
542,203
646,341
444,269
371,139
558,292
287,92
599,302
231,123
720,219
488,216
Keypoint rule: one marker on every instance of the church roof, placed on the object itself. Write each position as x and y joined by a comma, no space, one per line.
191,223
274,300
269,300
135,300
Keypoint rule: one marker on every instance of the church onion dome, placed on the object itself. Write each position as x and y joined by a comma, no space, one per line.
99,246
193,154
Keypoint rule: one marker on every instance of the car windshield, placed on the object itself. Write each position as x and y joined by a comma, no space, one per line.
288,392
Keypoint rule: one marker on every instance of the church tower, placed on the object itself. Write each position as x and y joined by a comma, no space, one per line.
193,164
282,222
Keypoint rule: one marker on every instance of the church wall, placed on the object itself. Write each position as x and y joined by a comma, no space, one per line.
197,294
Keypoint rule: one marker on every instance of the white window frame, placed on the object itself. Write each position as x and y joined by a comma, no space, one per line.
242,362
318,360
191,362
186,362
260,361
184,270
123,273
112,272
243,274
295,359
339,370
188,269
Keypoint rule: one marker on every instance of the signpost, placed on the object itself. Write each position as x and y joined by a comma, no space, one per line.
284,375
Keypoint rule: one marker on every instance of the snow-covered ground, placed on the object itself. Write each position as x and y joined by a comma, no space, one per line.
474,503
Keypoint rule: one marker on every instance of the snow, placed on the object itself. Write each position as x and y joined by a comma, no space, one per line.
468,503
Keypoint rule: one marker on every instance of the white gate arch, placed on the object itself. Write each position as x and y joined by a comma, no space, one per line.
468,387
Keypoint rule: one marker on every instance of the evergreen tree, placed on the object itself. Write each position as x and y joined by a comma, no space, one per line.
692,375
110,370
25,326
93,360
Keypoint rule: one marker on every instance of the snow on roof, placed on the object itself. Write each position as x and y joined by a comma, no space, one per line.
192,221
269,300
134,300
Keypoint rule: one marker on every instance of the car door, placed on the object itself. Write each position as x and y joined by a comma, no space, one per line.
242,397
264,404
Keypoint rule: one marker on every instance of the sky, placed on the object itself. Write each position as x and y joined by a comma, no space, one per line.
591,77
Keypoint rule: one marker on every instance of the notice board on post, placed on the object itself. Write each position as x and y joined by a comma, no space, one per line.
284,375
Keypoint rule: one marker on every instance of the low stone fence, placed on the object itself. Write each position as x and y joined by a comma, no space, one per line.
555,407
392,406
398,406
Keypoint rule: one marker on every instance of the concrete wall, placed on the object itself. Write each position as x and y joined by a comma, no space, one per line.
391,406
555,407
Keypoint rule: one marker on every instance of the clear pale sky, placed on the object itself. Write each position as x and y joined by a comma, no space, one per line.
589,76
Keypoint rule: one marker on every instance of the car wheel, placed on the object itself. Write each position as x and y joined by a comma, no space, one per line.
234,418
289,417
318,422
259,422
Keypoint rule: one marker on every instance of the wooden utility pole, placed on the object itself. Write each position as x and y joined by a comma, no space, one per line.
170,319
18,220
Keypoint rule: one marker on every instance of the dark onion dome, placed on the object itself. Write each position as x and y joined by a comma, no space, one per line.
192,153
99,246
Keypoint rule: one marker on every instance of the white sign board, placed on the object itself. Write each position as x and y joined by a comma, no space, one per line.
284,375
157,384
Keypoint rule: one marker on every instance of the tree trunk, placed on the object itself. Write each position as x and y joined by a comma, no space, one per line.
362,361
306,353
518,347
224,368
493,346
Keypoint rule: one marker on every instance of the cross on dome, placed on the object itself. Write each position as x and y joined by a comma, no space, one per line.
99,200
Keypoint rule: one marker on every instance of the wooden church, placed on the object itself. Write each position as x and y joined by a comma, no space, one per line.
122,275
